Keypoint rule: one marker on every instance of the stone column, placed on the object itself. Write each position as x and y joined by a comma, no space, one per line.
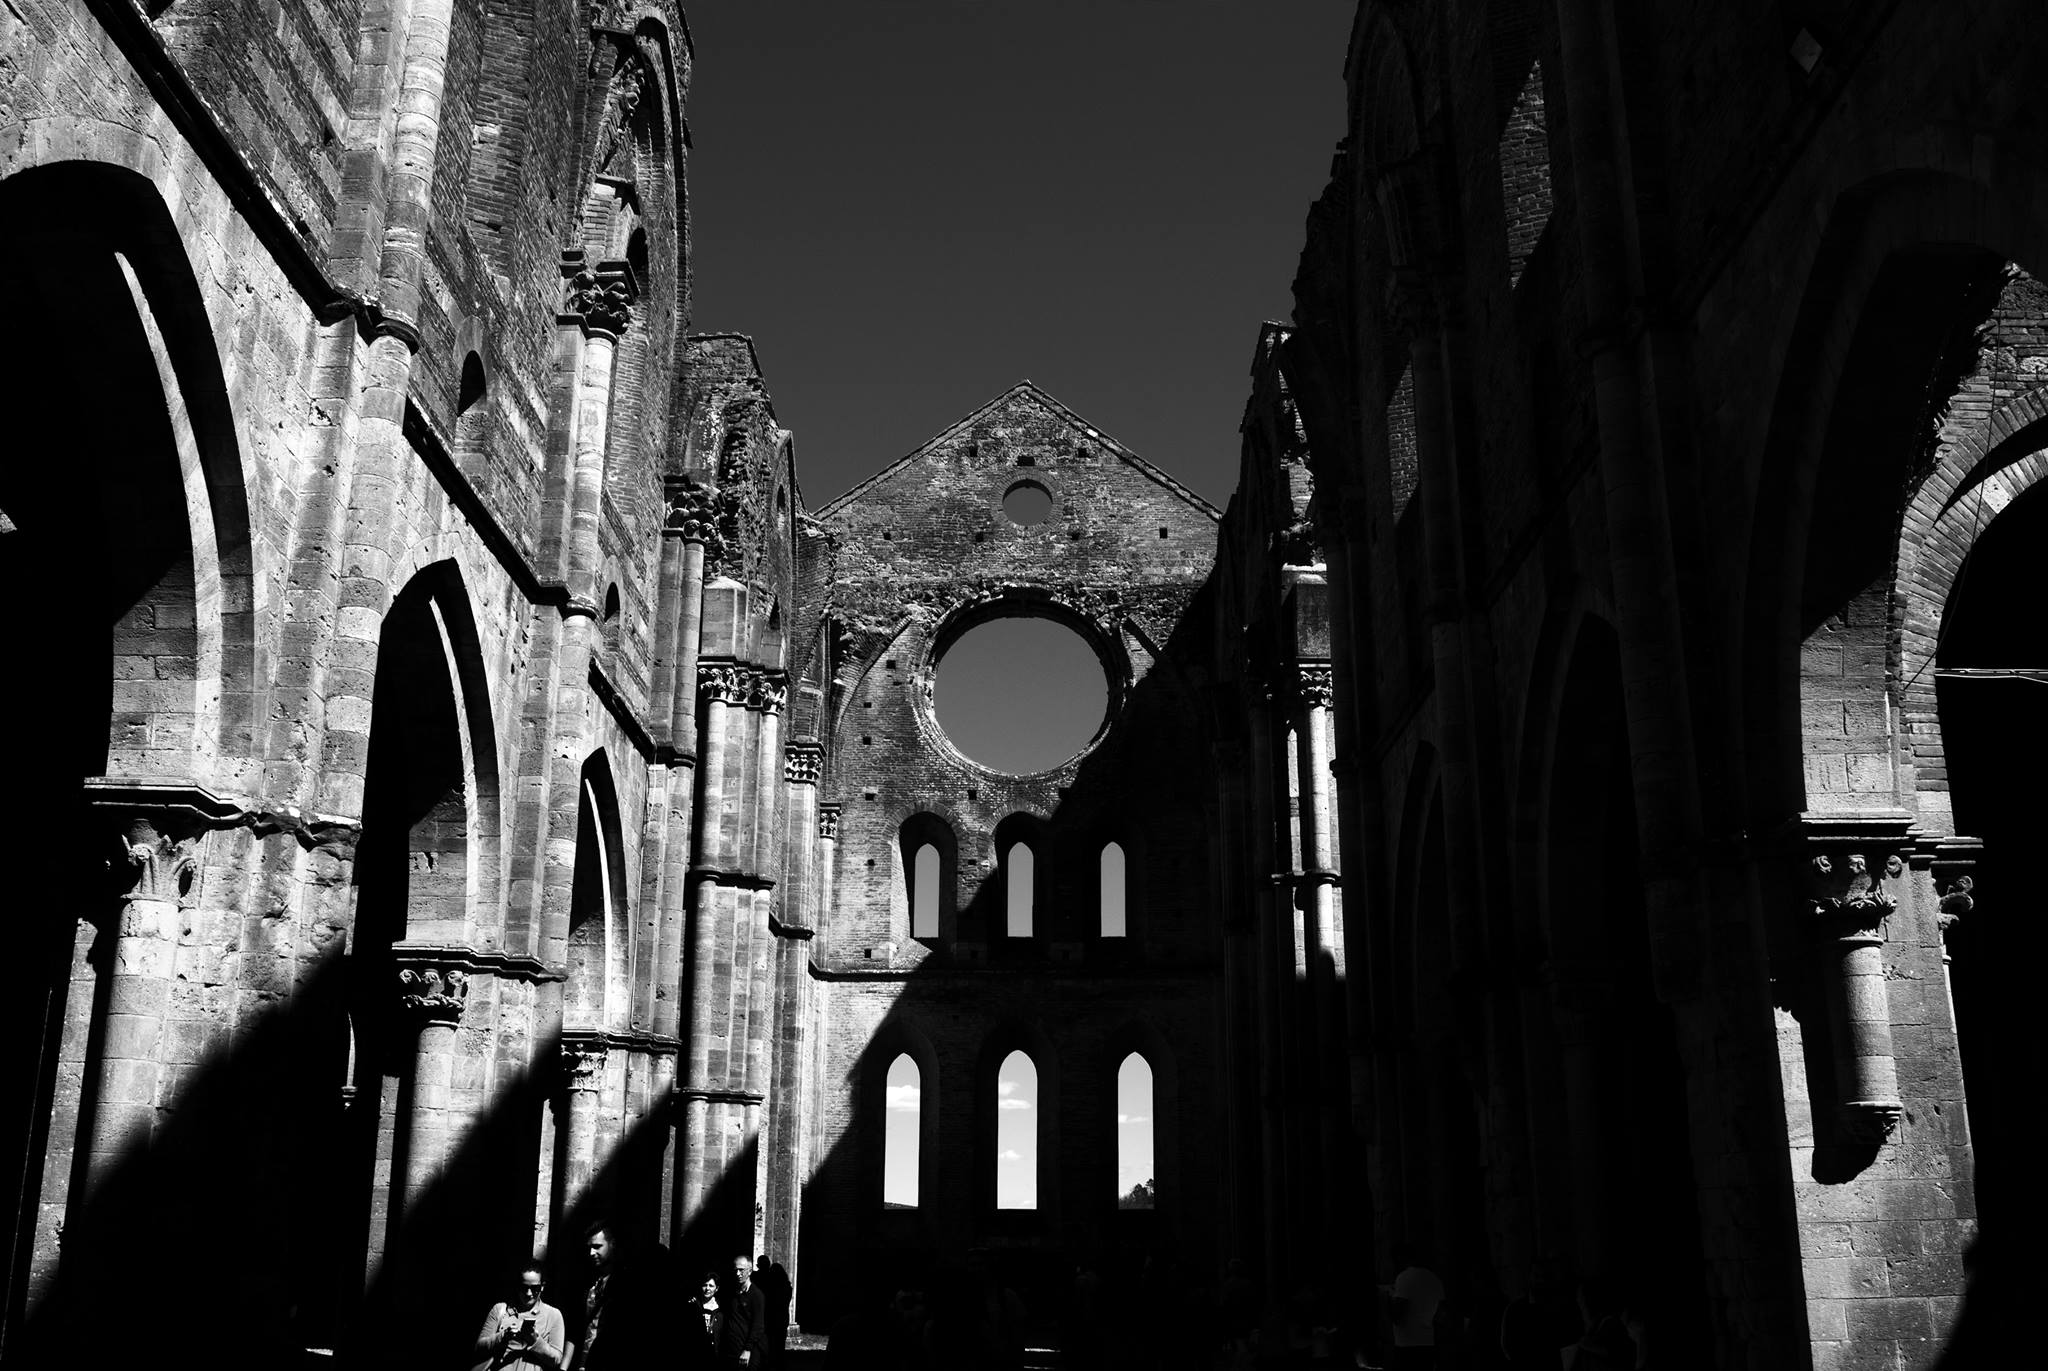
1851,906
157,855
1954,869
432,999
1269,991
1325,1040
584,1058
600,298
828,848
693,516
724,686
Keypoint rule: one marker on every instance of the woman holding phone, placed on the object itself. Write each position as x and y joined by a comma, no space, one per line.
522,1331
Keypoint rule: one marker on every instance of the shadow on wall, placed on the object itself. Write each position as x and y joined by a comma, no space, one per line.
236,1232
1147,786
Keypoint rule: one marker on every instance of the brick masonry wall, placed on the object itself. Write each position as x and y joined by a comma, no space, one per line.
1124,550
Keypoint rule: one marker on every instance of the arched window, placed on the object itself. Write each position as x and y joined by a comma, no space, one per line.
1113,925
1018,894
924,896
922,876
1136,1175
1017,1133
905,1104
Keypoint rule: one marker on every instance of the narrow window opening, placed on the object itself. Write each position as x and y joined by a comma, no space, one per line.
1019,891
904,1110
1136,1183
472,386
1017,1133
1113,925
612,621
924,902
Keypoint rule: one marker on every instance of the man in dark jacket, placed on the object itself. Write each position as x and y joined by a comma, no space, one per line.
743,1336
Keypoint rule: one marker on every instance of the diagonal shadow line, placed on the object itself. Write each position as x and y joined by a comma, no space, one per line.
855,1253
236,1231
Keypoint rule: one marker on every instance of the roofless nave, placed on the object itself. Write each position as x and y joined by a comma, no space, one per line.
469,796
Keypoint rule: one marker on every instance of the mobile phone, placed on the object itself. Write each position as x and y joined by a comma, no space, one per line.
526,1329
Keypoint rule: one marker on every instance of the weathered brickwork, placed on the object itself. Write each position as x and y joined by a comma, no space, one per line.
914,556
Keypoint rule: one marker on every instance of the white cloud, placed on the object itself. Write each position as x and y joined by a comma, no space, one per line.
1013,1104
1010,1154
1134,1118
903,1096
1005,1089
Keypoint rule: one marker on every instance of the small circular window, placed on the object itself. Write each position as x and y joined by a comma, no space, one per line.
1027,503
1020,694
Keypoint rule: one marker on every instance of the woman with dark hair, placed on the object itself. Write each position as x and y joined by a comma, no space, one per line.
700,1325
522,1331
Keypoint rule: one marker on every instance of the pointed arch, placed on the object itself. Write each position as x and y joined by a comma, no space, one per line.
881,1107
1140,1040
1028,1042
927,877
598,992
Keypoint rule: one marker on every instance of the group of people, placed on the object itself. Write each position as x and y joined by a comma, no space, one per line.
627,1322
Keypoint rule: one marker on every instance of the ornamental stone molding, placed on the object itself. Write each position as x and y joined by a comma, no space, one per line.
735,683
723,682
767,691
1315,686
1957,900
583,1062
802,763
158,857
435,995
1849,895
693,512
601,296
1853,869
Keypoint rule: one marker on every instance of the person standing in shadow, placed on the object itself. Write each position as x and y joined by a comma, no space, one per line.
772,1280
743,1332
1412,1303
704,1315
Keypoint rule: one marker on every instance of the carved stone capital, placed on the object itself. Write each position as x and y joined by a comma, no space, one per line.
1956,901
723,682
693,512
768,691
583,1062
1315,686
435,995
1869,1121
802,763
1849,893
156,856
828,822
603,295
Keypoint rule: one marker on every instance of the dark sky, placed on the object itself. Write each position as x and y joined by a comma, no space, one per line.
912,204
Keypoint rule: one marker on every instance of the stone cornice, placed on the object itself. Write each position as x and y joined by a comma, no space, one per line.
507,966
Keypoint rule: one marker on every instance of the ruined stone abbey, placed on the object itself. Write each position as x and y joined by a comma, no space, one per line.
1565,814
